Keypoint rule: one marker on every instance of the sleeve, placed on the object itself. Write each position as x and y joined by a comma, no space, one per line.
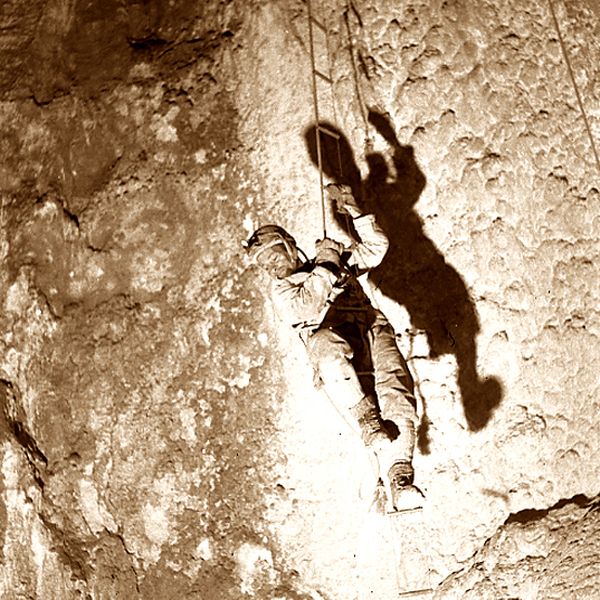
304,300
373,244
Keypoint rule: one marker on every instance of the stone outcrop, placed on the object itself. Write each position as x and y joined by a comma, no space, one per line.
160,434
549,553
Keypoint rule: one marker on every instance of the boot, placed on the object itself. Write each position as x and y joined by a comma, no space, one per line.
369,421
404,494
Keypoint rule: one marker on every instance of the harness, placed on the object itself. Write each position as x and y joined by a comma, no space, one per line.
346,303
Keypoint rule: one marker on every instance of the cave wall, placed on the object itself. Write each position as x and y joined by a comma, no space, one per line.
549,553
126,312
160,433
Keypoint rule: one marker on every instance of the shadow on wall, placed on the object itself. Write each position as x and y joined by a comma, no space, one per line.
413,273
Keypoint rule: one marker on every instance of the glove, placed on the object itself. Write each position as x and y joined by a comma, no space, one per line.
329,251
345,202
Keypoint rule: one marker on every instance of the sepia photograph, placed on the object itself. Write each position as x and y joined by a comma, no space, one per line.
300,300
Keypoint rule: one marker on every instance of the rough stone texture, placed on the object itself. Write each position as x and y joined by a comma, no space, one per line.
160,436
535,554
130,330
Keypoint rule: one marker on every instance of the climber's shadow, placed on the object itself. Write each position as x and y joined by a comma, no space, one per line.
413,273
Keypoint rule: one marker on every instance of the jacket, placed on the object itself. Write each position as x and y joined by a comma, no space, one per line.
304,298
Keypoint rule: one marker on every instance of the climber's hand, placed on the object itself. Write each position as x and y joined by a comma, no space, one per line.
347,205
328,251
344,200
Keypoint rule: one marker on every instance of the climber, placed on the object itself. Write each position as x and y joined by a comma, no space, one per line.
351,345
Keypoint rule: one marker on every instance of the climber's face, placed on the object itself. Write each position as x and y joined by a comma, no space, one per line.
276,261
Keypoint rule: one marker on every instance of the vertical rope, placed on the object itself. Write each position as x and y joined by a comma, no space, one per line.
572,75
355,72
334,105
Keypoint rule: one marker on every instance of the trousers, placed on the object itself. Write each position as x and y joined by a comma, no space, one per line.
354,354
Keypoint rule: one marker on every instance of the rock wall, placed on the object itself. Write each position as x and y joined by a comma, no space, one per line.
536,554
161,436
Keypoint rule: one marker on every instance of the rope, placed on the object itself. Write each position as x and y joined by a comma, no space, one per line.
572,75
351,8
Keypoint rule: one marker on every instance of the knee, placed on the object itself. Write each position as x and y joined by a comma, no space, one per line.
325,346
382,325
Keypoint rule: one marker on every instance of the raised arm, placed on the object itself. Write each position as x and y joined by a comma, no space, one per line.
373,243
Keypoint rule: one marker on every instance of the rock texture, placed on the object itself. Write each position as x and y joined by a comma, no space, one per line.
160,436
535,554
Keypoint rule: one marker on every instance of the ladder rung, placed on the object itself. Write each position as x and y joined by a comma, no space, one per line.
415,593
331,133
323,76
404,511
318,24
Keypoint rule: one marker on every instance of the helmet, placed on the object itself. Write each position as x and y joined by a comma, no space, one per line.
266,237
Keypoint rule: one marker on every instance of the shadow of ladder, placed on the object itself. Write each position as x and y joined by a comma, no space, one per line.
413,565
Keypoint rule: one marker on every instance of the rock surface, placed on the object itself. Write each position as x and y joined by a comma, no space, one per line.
160,435
535,554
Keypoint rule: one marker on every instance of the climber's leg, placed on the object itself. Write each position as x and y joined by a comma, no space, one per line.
395,392
331,355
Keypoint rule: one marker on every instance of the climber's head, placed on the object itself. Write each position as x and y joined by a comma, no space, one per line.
274,250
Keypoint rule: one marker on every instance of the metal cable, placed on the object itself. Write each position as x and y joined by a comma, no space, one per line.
350,8
572,75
